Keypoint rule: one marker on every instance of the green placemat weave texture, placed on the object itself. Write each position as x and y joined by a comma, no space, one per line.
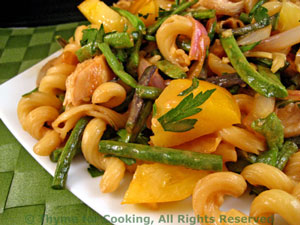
25,193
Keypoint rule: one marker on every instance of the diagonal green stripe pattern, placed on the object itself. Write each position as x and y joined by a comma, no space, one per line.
25,193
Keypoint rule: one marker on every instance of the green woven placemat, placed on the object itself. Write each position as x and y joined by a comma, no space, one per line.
25,193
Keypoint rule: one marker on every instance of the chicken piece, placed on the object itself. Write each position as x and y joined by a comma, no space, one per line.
87,76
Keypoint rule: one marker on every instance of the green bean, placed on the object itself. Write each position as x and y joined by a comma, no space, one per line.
171,70
134,57
137,103
184,43
253,27
204,14
54,157
136,22
193,160
150,37
85,52
180,8
119,40
67,154
268,86
148,92
245,48
288,149
116,65
142,119
256,6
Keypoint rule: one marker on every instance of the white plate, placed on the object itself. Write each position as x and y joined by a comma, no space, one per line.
81,184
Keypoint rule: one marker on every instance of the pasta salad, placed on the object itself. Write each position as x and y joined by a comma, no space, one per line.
193,98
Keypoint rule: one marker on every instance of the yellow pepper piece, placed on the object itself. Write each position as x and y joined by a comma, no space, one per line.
148,8
98,13
219,111
161,183
289,16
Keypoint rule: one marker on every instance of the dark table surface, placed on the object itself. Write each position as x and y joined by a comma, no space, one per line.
30,13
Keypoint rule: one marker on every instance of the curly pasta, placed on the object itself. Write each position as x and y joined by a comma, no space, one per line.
114,167
166,39
34,111
67,120
292,169
276,202
55,79
296,191
268,176
109,94
209,193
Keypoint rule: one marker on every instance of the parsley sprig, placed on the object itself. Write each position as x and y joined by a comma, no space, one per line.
175,121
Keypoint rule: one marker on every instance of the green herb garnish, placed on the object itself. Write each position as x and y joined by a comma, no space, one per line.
174,119
194,85
94,172
30,92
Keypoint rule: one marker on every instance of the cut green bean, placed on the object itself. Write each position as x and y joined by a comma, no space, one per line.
246,48
119,40
288,149
134,57
55,154
85,52
264,85
253,27
67,154
137,103
184,43
180,8
170,69
116,65
204,14
150,37
142,119
188,159
148,92
136,22
256,6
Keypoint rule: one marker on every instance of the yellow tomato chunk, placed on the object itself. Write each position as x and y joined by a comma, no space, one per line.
98,13
146,10
153,183
289,16
219,111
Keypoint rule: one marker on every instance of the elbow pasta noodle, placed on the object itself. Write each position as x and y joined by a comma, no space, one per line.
276,202
292,169
67,120
268,176
114,167
209,193
109,94
243,139
166,39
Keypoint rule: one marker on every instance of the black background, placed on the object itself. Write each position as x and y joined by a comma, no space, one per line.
39,12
